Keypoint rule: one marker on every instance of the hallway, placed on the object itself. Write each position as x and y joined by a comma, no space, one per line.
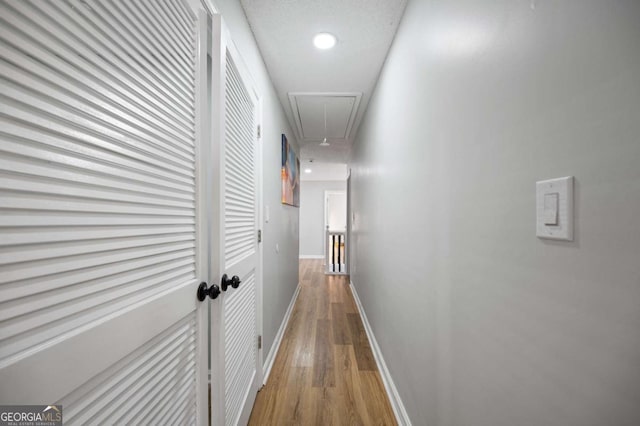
324,373
165,165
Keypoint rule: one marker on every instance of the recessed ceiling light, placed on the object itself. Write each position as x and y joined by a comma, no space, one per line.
307,170
324,41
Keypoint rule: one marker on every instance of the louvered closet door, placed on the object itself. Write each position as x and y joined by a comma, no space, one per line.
99,252
236,314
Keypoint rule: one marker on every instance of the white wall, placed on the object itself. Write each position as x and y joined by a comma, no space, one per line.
323,171
336,206
312,228
485,324
280,269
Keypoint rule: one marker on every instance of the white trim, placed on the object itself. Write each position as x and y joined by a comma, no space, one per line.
216,128
271,357
261,226
208,5
347,239
311,256
202,214
392,392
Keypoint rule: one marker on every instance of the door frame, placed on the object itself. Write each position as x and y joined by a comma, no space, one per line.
327,193
259,269
203,207
347,248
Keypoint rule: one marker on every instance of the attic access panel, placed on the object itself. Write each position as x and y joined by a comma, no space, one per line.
308,112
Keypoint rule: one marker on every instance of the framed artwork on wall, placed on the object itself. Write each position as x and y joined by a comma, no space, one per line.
290,175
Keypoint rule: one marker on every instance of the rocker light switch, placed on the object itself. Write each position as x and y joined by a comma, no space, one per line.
550,213
554,209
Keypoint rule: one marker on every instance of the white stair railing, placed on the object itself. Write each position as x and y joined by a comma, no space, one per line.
336,253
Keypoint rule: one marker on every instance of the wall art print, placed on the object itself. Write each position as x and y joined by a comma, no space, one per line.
290,174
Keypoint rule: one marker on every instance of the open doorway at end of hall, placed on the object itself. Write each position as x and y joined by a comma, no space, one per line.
335,225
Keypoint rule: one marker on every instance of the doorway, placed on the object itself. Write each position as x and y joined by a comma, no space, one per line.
335,225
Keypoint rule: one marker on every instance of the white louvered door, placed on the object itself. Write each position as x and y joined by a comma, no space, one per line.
100,219
235,318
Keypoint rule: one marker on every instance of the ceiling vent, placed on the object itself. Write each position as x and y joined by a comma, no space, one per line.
308,111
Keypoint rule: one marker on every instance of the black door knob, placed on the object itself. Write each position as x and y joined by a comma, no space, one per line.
225,282
235,281
213,291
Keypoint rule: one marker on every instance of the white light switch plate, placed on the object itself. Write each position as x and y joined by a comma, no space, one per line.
563,227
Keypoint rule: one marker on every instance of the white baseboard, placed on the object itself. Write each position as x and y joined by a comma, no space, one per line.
311,256
396,403
271,357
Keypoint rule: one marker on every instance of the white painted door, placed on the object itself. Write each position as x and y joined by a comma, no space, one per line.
235,356
100,213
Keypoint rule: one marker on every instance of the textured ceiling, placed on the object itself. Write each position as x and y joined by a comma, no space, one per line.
284,31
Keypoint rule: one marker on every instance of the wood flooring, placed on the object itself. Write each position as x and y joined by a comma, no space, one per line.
324,372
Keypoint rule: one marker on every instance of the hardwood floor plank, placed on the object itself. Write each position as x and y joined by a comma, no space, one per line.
289,407
361,347
324,305
303,330
380,410
341,333
324,372
331,409
308,273
348,383
350,303
318,279
336,292
323,362
310,399
283,360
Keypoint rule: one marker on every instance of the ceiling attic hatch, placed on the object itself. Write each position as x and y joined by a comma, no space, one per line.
309,114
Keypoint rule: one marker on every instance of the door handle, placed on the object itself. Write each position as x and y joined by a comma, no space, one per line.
225,282
213,291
